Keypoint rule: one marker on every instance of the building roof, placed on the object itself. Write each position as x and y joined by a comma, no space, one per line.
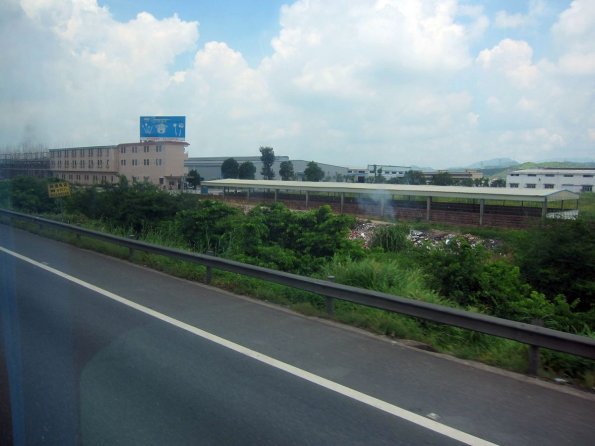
555,171
485,193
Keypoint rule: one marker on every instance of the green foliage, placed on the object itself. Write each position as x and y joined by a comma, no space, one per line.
230,168
209,226
313,172
136,207
415,177
193,178
286,171
29,194
291,241
391,238
560,259
267,156
442,179
247,171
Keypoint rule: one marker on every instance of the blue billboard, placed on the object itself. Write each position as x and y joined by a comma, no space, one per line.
166,127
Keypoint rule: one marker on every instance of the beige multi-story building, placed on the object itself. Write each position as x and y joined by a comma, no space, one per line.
157,162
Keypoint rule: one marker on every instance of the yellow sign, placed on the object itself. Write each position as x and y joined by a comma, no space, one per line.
56,190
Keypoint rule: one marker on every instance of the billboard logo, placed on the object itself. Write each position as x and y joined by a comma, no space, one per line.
163,127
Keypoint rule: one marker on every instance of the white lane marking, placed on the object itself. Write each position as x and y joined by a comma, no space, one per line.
323,382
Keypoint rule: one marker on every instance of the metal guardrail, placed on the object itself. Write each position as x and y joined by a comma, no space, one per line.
533,335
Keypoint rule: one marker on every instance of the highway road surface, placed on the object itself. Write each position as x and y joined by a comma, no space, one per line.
97,351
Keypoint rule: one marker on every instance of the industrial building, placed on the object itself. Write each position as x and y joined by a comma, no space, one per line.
157,162
209,168
575,180
449,204
28,164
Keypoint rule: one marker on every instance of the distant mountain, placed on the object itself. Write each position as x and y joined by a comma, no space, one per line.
501,163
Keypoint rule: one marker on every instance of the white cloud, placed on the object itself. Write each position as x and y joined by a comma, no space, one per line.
504,19
347,82
513,58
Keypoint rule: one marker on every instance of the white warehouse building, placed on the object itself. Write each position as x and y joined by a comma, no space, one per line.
574,180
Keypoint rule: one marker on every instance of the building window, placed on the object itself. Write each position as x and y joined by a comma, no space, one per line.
161,180
123,149
70,176
78,177
90,164
90,152
107,164
549,175
99,164
99,152
86,177
59,164
134,149
514,174
159,149
66,164
53,164
122,162
532,175
530,185
74,164
135,162
548,186
146,148
158,162
587,176
95,178
568,175
514,184
66,154
59,154
82,164
74,153
587,188
146,162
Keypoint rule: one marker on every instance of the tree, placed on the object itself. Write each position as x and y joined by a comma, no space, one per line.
414,177
193,178
247,171
313,172
498,182
442,179
286,171
229,168
268,158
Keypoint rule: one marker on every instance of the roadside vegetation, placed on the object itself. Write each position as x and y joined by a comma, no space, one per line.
543,274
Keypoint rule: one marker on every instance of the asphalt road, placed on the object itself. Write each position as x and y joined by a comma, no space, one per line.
78,367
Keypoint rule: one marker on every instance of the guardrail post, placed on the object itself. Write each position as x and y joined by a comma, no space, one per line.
533,367
330,301
209,277
131,250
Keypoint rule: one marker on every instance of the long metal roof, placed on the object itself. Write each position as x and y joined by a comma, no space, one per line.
486,193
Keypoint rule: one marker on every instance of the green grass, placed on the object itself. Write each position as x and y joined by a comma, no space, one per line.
586,205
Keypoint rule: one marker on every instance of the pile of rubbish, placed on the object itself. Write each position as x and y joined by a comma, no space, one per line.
364,230
435,237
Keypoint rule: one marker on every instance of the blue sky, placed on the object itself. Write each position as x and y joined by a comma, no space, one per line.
435,83
247,26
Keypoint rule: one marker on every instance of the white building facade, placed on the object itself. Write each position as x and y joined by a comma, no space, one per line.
574,180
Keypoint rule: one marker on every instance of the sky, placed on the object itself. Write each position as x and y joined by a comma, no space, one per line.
348,82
